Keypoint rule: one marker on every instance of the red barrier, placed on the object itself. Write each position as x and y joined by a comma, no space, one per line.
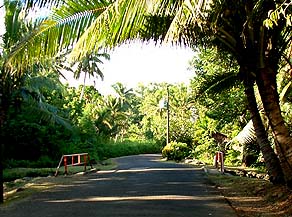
73,160
219,159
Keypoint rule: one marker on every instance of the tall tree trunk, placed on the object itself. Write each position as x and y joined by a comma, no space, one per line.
6,85
2,121
271,160
266,81
1,174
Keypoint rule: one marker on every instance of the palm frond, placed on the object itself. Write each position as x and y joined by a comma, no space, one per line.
121,21
36,83
54,34
189,22
247,135
218,82
286,90
32,4
43,110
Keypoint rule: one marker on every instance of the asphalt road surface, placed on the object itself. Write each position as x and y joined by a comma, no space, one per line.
141,186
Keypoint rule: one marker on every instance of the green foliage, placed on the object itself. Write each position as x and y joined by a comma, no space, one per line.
176,151
220,101
113,149
233,157
283,10
154,119
204,145
12,174
112,126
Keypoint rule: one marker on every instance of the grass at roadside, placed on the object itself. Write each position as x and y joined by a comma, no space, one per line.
18,173
21,182
25,181
254,197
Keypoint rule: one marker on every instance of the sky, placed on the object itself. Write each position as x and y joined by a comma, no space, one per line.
136,63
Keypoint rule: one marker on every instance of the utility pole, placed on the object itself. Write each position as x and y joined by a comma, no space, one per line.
167,108
164,104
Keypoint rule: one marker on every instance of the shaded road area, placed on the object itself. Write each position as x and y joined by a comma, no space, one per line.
141,186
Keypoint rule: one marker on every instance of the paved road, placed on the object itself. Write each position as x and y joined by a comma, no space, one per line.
140,186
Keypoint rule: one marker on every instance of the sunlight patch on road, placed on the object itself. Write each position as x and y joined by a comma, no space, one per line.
154,169
106,171
133,198
246,199
107,179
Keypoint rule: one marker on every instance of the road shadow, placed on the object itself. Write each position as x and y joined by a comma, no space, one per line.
140,186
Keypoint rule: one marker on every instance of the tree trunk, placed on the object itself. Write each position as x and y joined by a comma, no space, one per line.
5,96
250,154
271,160
2,121
1,174
266,81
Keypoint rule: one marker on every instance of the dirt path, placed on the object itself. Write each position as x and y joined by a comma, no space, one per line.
140,186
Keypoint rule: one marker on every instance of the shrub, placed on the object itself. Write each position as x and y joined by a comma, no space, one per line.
233,157
176,151
124,148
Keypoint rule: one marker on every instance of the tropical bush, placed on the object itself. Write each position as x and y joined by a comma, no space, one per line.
113,149
176,151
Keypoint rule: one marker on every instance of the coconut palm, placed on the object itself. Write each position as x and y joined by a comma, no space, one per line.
89,66
14,29
237,26
114,114
255,129
124,95
85,26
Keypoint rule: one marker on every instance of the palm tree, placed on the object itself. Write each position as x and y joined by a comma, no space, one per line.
13,80
14,29
88,66
115,115
237,26
222,81
124,95
85,26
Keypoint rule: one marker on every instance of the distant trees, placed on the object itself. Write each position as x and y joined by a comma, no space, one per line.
88,65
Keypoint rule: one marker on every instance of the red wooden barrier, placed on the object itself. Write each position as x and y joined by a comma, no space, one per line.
74,160
219,159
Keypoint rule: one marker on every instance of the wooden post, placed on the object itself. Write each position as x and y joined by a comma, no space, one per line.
65,165
66,160
221,158
84,157
216,161
88,158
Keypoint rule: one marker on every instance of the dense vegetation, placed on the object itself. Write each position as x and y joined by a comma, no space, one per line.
36,135
241,82
51,119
